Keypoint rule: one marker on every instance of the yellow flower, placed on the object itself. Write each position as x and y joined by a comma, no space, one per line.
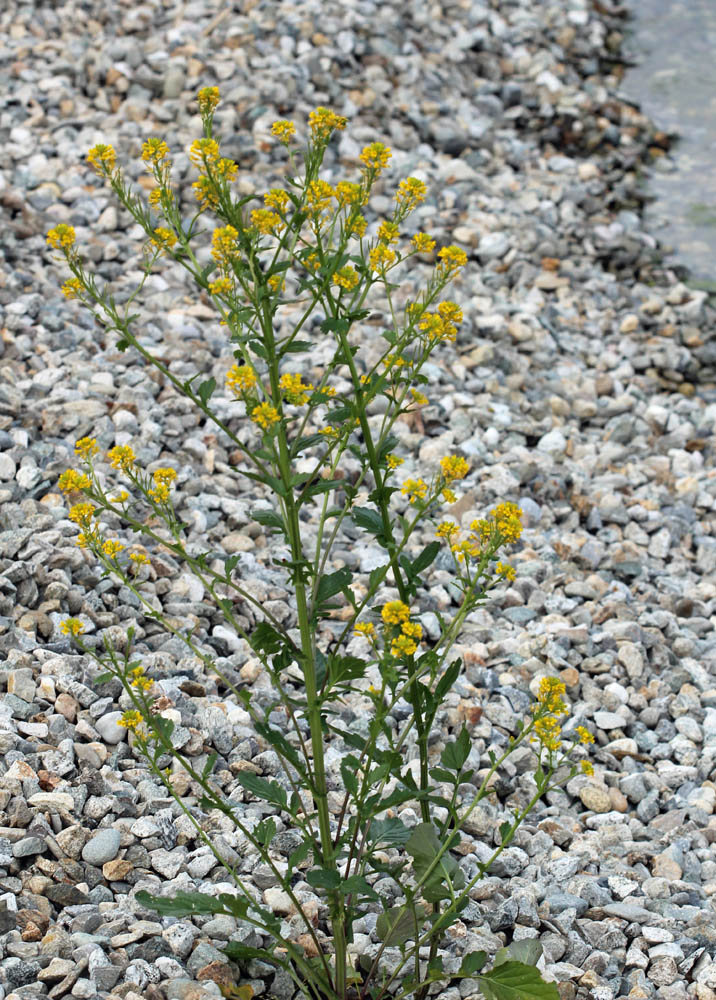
121,497
264,415
276,283
155,197
584,735
208,98
283,130
266,222
381,256
222,286
103,158
164,475
322,122
423,243
461,550
61,237
204,191
454,467
225,244
549,696
388,232
160,493
277,199
419,397
295,390
507,520
86,447
329,431
357,227
81,513
347,277
395,613
72,481
241,379
349,193
72,626
227,170
446,529
311,262
587,767
72,288
448,495
130,720
403,645
410,192
139,557
549,732
506,571
112,548
392,461
452,258
375,156
450,312
164,239
318,197
121,457
154,150
366,629
415,490
204,151
412,629
483,529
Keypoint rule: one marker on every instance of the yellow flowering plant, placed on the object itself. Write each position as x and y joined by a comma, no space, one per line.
304,251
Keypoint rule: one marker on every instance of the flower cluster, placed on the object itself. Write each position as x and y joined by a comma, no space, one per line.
322,122
61,237
103,158
403,634
295,390
241,379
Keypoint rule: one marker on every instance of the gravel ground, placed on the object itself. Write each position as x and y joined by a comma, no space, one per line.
582,385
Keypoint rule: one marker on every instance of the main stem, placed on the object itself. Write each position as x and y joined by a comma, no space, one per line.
308,666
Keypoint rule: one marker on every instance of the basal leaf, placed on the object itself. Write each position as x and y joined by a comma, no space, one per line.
473,962
391,831
332,584
323,878
269,791
516,981
424,846
399,924
526,950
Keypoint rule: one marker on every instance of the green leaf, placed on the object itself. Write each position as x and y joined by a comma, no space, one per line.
209,766
528,951
447,680
505,828
348,773
321,486
473,962
456,753
440,774
269,791
277,740
424,846
269,518
295,347
205,390
398,924
371,520
342,669
238,952
297,856
103,678
426,557
265,639
258,348
358,884
324,878
391,831
182,904
516,981
332,584
265,831
230,565
335,325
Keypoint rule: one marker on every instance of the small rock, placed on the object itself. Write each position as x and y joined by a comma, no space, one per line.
102,847
596,798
